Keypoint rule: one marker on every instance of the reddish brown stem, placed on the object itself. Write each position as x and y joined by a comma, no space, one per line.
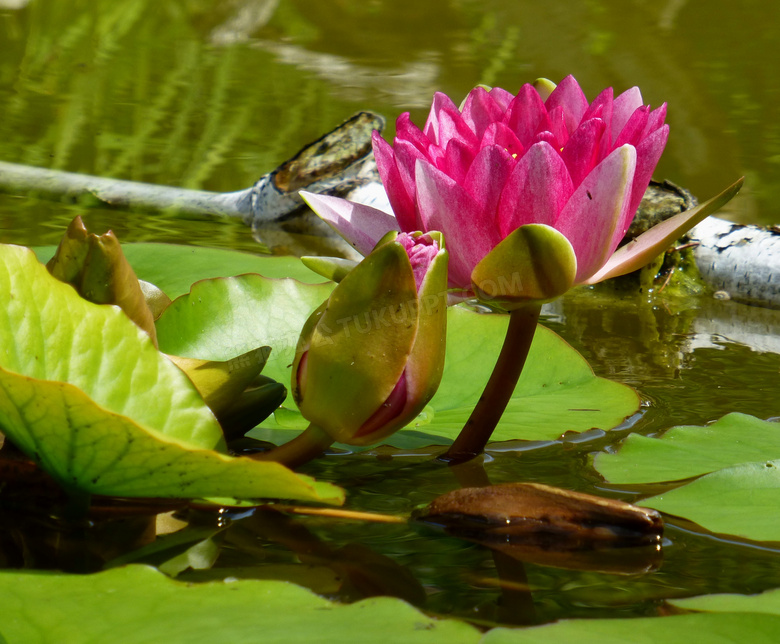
483,420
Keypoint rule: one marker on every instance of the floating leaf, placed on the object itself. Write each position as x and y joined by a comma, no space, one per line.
725,628
174,268
136,604
741,500
766,602
686,451
557,392
84,392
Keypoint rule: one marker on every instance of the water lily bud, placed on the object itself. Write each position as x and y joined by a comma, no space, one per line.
371,357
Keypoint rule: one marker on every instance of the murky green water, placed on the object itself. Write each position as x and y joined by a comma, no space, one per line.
212,95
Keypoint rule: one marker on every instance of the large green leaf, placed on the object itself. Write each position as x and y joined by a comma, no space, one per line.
48,332
84,392
137,604
687,451
174,268
725,628
557,392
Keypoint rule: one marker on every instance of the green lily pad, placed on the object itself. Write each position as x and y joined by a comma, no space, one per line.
736,459
175,268
741,500
84,393
225,317
686,451
557,392
139,604
725,628
767,602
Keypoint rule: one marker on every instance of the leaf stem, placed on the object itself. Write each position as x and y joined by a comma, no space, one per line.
301,449
483,420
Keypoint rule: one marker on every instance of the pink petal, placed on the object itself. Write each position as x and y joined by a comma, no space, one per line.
581,153
405,129
601,107
501,97
536,191
648,152
480,110
633,129
456,161
558,122
446,206
486,178
500,134
362,226
526,115
445,121
547,137
655,120
571,98
398,191
452,126
622,109
640,251
596,208
406,157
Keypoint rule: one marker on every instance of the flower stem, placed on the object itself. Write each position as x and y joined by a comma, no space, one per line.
483,420
301,449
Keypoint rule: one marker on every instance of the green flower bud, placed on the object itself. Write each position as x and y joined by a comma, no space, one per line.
371,357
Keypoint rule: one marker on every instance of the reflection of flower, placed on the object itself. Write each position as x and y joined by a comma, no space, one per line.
371,357
574,171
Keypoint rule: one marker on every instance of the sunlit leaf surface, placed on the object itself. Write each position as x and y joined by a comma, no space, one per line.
740,491
687,451
727,628
84,392
137,604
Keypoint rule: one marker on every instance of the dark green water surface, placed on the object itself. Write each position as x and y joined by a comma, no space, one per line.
212,95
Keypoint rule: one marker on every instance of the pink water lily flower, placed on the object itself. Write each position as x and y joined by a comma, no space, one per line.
546,180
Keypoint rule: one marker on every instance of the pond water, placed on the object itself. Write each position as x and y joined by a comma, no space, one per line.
212,95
